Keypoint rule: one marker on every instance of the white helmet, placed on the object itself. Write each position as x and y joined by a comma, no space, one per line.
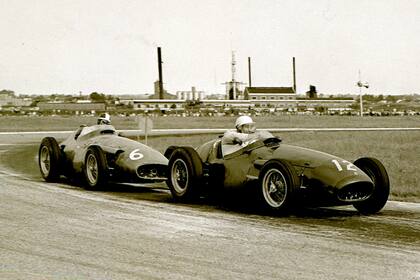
104,118
243,120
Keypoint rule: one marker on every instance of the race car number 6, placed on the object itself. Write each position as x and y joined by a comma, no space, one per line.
350,166
135,155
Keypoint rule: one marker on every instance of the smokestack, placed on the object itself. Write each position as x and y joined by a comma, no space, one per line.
160,74
294,75
249,72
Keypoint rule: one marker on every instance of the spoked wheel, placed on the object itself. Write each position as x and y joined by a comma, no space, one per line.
179,176
45,161
278,184
49,159
95,168
274,188
92,169
185,174
377,172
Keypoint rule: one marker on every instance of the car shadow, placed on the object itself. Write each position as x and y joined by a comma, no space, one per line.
229,202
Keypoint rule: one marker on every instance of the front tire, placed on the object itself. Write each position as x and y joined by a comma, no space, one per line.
278,184
95,168
185,174
49,159
377,172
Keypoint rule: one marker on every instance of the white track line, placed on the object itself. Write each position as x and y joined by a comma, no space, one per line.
218,130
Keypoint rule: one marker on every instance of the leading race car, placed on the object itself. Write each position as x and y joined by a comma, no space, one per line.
281,175
100,155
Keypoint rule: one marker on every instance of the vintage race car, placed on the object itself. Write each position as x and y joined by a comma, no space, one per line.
280,175
100,155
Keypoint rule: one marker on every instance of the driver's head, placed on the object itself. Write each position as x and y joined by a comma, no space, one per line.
245,124
104,118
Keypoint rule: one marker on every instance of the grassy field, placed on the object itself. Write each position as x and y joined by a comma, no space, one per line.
398,150
43,123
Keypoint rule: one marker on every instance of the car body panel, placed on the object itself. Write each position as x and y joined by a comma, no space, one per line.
124,156
320,174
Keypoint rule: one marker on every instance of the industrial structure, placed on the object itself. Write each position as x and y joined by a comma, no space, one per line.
272,99
73,107
239,97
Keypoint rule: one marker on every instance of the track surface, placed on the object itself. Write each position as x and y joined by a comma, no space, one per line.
60,231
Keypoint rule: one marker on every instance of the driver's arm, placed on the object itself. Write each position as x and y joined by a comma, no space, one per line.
233,137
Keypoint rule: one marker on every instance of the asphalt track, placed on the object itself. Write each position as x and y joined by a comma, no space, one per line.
60,231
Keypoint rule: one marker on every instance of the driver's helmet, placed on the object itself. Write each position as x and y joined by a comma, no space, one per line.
104,118
247,122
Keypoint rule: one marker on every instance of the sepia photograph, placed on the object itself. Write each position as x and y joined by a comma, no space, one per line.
235,139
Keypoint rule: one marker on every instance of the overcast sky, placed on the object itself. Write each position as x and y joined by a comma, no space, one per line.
52,46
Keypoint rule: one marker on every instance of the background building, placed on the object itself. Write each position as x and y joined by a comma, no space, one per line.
190,95
74,108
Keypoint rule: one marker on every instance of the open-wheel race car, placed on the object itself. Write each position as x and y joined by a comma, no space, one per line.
282,176
98,155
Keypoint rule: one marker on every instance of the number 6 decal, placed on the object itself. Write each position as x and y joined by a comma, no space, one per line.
349,166
135,155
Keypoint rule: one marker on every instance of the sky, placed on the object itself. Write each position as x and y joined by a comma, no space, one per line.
109,46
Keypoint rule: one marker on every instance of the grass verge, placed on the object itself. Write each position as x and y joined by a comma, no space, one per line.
398,150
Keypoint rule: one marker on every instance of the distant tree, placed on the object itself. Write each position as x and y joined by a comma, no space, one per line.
368,97
8,92
69,98
391,98
110,98
409,98
97,97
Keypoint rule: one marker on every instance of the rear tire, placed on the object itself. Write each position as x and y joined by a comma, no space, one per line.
277,185
377,172
49,159
169,151
185,174
95,169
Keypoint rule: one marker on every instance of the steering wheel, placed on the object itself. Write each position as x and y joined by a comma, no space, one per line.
272,141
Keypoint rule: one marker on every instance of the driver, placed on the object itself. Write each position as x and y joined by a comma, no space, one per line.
244,133
104,118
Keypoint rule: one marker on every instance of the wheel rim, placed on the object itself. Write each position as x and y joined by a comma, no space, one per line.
179,176
92,169
45,161
274,188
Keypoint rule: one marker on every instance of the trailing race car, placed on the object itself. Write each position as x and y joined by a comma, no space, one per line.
281,175
100,155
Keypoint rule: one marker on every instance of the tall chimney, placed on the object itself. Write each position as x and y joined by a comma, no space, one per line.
160,74
249,72
294,75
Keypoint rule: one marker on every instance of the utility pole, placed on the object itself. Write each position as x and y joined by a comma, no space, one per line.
160,73
360,84
294,75
249,72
